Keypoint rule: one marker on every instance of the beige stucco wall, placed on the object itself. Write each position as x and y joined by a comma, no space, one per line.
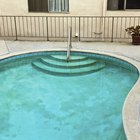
86,7
13,7
123,13
77,7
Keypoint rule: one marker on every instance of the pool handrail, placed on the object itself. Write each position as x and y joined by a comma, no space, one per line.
69,43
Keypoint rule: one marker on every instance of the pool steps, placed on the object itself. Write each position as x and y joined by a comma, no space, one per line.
62,58
77,66
67,65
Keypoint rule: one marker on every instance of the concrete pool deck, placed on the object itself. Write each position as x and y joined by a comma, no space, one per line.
125,51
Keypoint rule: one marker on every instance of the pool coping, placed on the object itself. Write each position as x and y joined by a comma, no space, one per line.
131,107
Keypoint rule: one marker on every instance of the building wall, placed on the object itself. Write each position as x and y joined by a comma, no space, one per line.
13,7
86,7
20,7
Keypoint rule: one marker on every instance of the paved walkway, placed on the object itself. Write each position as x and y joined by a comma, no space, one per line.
126,49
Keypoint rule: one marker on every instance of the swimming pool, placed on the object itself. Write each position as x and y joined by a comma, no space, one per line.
78,100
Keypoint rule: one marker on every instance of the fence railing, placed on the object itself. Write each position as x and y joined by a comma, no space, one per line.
84,28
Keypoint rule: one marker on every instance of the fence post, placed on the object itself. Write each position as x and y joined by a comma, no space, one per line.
15,27
79,29
112,36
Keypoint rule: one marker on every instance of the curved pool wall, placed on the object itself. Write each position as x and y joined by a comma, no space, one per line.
111,59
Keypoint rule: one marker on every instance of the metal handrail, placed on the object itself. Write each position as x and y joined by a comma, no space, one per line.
69,43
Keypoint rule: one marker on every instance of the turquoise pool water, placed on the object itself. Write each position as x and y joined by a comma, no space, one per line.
35,105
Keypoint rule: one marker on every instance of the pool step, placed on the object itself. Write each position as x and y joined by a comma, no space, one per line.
62,58
77,66
66,72
73,57
68,65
